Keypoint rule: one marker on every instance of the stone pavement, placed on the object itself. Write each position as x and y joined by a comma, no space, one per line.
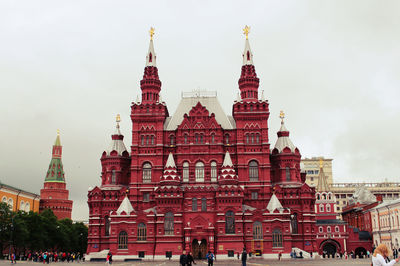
251,262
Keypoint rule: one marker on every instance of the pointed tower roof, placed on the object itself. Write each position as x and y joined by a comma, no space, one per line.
247,54
117,143
170,162
322,182
55,173
283,140
151,55
227,160
274,204
170,175
125,206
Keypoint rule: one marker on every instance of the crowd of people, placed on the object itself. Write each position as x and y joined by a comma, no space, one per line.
46,257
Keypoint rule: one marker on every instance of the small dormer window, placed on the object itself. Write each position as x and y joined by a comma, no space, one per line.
150,57
248,55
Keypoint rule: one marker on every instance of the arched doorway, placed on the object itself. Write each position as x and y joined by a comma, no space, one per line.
329,250
199,249
360,252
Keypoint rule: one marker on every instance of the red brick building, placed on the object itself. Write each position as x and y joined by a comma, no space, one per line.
54,194
200,180
335,236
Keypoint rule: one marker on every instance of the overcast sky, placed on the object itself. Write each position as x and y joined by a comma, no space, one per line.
332,66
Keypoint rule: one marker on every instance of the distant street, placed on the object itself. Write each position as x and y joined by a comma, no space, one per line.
257,262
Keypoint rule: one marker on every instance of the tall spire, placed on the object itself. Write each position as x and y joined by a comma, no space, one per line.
151,55
150,84
322,184
248,82
55,173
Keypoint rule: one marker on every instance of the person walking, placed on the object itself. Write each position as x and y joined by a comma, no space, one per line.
244,257
190,259
381,253
183,260
210,258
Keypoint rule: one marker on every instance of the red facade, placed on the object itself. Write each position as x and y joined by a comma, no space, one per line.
200,180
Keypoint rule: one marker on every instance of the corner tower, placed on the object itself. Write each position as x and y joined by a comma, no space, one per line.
54,194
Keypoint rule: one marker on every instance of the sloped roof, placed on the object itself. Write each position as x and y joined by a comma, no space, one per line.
170,161
125,206
227,160
274,204
211,103
116,144
284,141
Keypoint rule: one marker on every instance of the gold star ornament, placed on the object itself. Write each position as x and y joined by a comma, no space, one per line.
246,31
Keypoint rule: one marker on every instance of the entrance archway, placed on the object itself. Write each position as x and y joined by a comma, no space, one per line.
199,249
329,249
360,252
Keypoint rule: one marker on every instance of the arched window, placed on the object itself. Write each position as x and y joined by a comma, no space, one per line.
142,140
27,207
318,197
201,139
113,178
146,173
277,238
328,208
257,231
197,138
212,138
185,138
147,140
336,228
258,138
11,204
194,204
328,229
229,222
252,138
172,140
320,229
287,173
169,223
226,139
185,172
253,171
247,138
152,140
293,222
22,205
213,171
106,226
203,204
199,172
141,234
4,199
321,208
123,240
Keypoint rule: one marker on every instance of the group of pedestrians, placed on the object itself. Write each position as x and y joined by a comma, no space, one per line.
47,256
186,260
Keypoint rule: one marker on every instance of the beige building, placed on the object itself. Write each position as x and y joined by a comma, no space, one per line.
18,199
312,165
385,224
385,190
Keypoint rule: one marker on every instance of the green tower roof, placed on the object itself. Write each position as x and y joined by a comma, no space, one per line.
56,170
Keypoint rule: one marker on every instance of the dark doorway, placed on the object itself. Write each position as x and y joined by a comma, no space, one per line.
199,249
360,252
329,250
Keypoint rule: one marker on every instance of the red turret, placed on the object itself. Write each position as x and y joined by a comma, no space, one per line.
150,84
54,194
248,82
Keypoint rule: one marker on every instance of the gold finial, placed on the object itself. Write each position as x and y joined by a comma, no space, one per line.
246,31
58,132
282,115
151,31
321,163
118,119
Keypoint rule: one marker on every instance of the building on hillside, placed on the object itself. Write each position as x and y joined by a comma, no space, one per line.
312,166
200,180
383,190
385,224
335,236
54,194
19,199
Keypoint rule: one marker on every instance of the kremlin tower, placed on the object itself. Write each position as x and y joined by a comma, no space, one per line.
54,194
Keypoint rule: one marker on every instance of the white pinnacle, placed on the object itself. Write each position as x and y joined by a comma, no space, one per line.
247,54
151,55
170,161
227,160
